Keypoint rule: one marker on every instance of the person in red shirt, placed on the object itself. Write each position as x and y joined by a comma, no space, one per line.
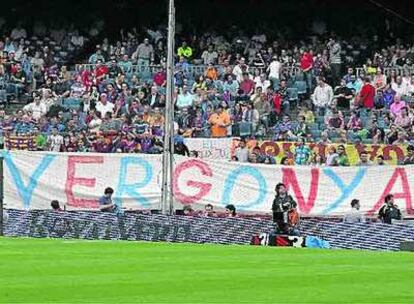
160,78
100,72
306,65
367,94
247,85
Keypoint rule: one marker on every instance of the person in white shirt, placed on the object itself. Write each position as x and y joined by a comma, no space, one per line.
322,96
103,106
262,82
274,69
399,86
55,141
239,69
242,152
36,108
209,56
354,216
184,99
95,123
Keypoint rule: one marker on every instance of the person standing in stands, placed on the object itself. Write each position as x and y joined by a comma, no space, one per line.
367,95
283,204
219,122
354,216
335,60
389,211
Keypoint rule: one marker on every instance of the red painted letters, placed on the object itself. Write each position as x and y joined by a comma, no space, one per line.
72,180
290,179
204,188
405,194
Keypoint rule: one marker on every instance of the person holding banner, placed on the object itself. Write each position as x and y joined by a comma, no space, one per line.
284,211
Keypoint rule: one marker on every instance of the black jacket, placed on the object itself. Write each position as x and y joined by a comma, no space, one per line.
283,204
388,213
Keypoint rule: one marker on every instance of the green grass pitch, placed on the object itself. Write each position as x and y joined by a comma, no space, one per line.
69,271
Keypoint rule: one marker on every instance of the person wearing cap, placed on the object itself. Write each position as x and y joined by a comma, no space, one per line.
354,216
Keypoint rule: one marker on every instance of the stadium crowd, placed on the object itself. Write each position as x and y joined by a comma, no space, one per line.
324,89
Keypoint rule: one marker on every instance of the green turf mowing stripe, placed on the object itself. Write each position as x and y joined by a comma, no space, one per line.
66,271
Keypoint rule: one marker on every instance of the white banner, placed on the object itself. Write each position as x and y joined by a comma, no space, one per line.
214,148
33,179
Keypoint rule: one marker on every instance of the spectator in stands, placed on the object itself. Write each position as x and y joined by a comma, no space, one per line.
36,109
231,210
400,88
364,159
302,153
184,98
322,96
335,60
366,97
397,106
389,211
209,56
55,141
144,53
274,70
306,65
103,106
354,216
409,159
242,152
344,95
342,157
97,56
55,206
247,85
219,122
332,158
239,69
380,160
180,147
185,51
